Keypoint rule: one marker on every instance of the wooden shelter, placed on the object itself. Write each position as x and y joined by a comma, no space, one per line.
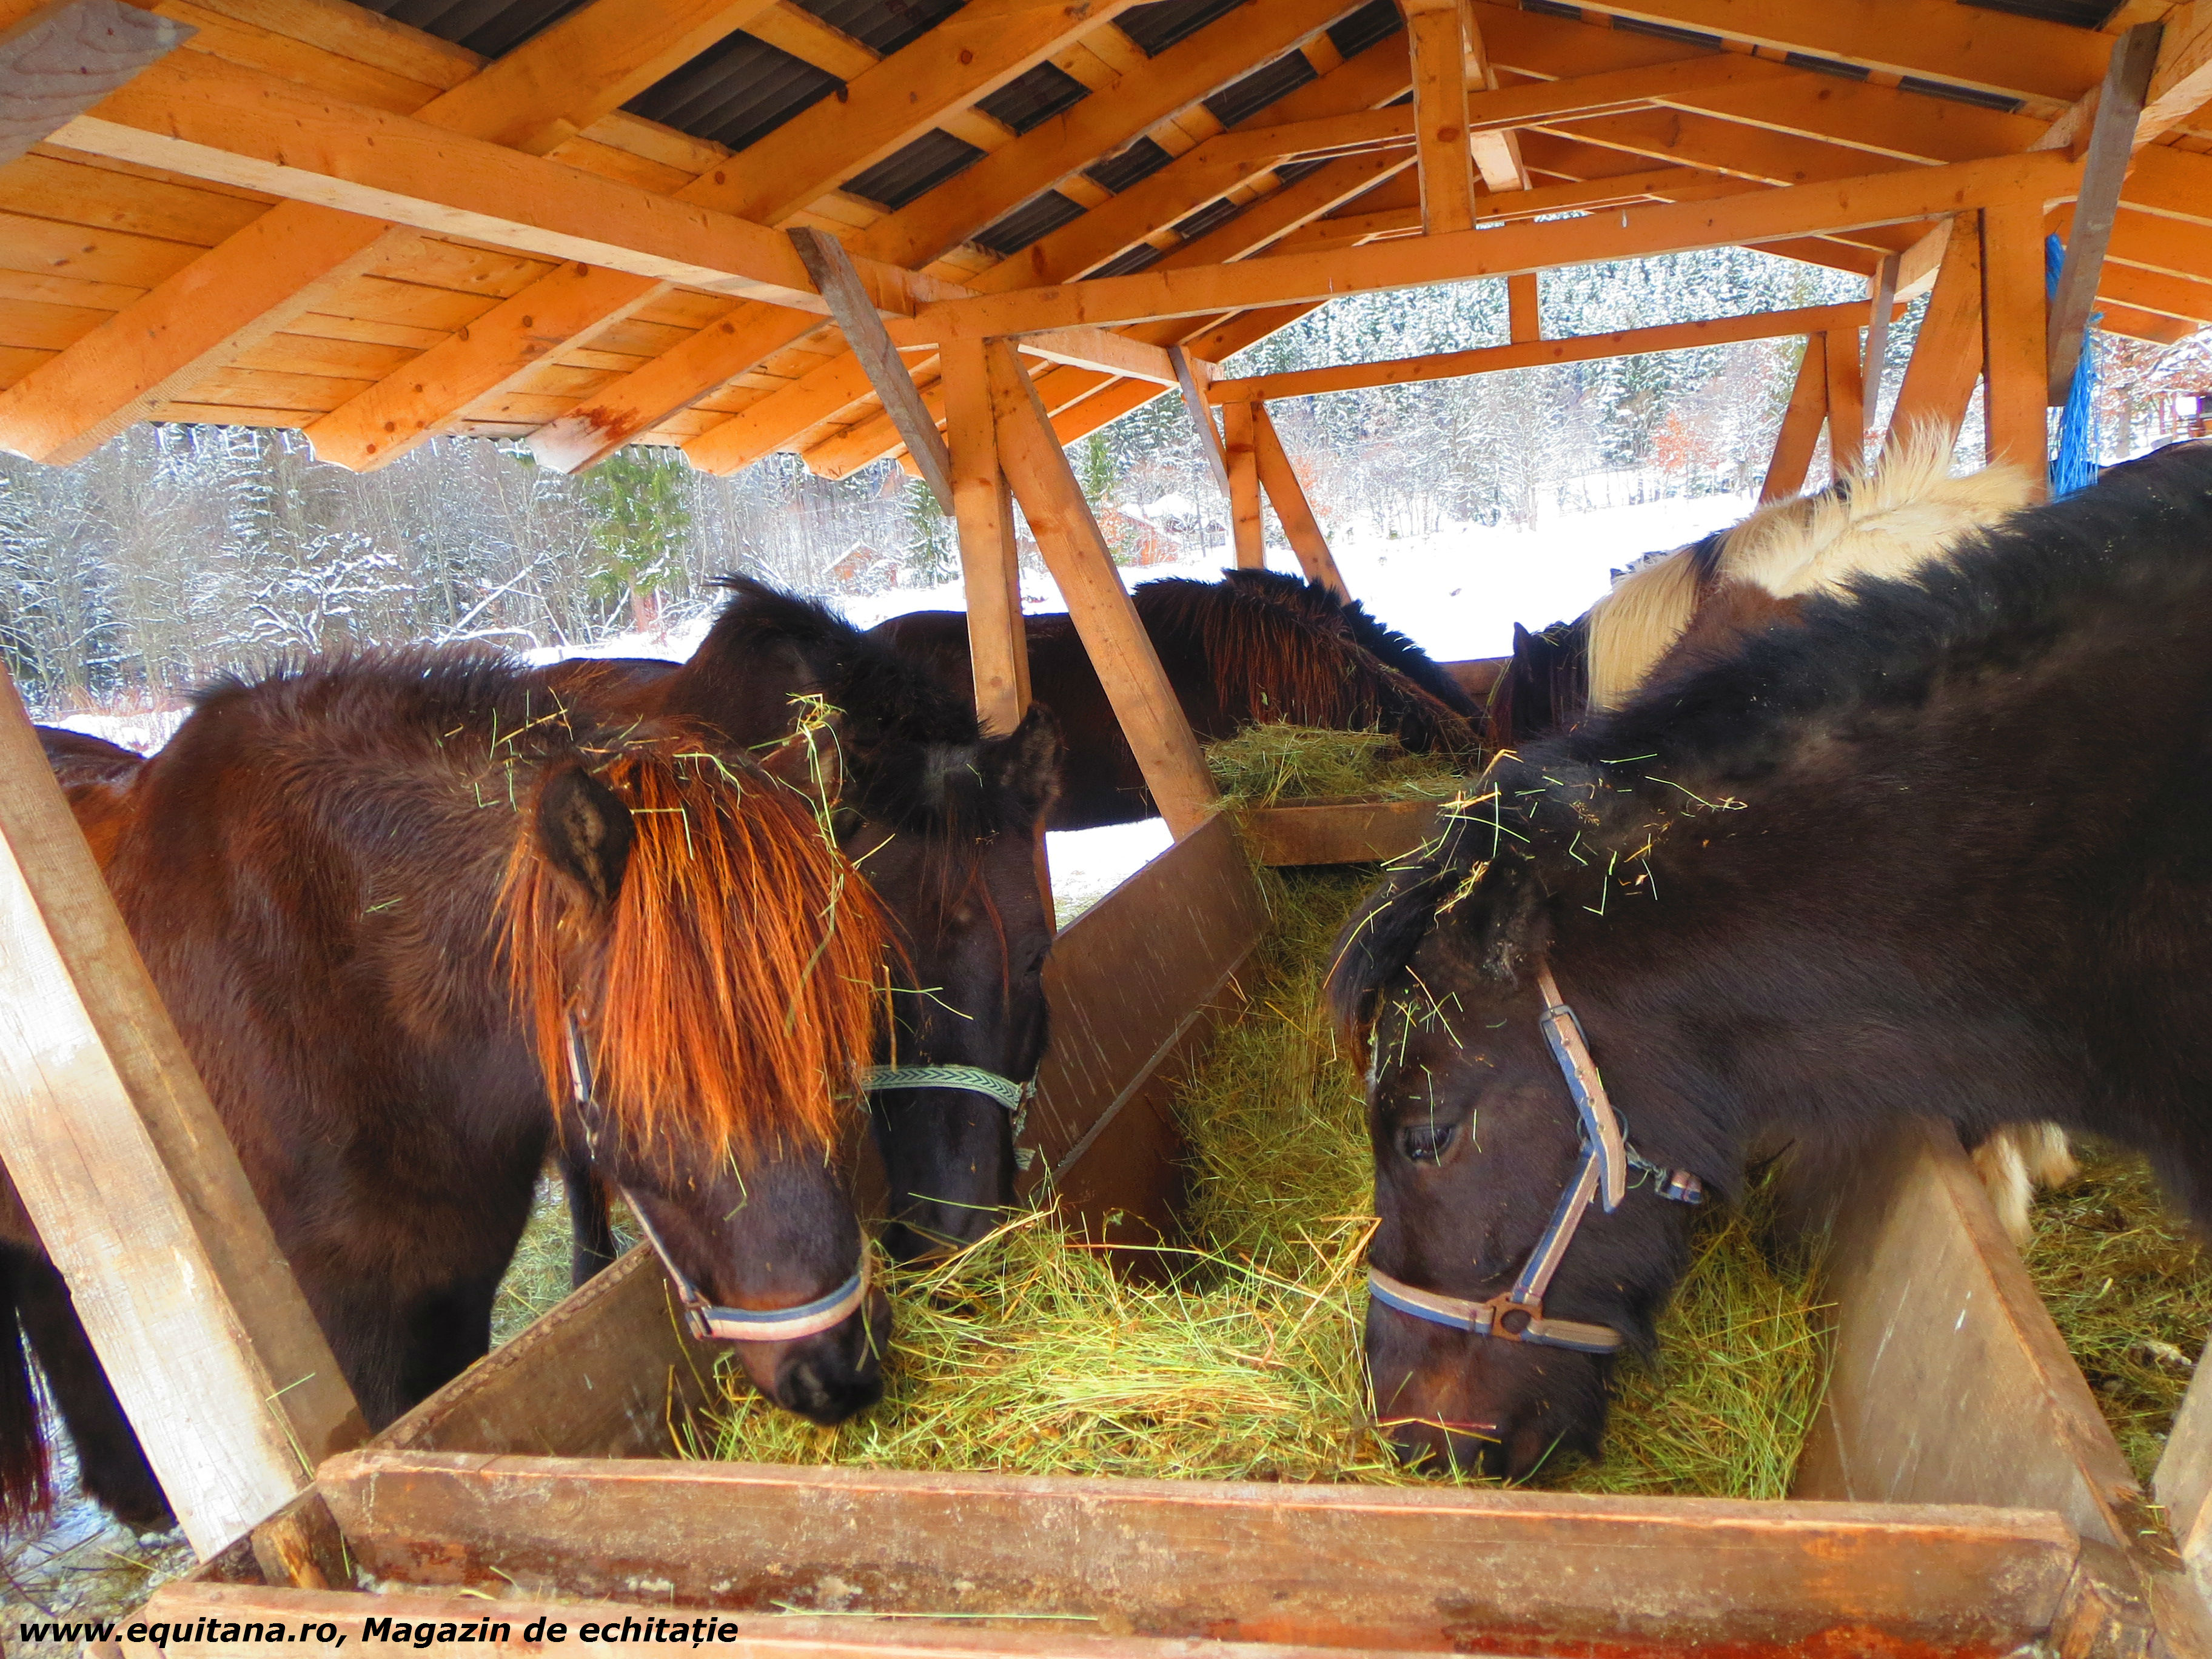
966,233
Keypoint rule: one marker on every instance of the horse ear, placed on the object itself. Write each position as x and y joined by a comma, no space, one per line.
1025,763
586,831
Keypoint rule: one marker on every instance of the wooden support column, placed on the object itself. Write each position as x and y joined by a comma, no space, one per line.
1248,533
2013,333
1846,401
2103,170
1438,44
990,568
1875,361
1524,323
1801,424
1496,153
125,1170
1299,524
1145,704
1946,357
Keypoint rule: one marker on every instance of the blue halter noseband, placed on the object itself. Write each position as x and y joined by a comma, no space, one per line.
1600,1175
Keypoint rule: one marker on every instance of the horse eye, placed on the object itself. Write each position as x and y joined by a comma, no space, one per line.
1425,1142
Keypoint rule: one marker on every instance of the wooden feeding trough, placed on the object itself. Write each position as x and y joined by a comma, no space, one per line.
1014,221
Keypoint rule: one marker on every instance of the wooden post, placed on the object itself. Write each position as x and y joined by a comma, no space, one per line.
1801,424
1194,400
1846,401
990,568
1524,323
131,1182
1247,532
1875,363
2013,336
1120,649
64,58
1946,357
2104,169
1439,48
1496,152
1299,524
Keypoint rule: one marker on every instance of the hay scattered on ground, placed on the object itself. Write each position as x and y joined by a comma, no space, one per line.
537,1278
2129,1290
1029,1356
1269,765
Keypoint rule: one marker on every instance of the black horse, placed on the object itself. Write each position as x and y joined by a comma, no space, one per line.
1256,646
1941,846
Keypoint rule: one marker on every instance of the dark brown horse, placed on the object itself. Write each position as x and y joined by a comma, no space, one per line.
413,919
943,824
1941,846
1256,646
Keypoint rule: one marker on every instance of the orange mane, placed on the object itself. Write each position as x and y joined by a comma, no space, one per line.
739,975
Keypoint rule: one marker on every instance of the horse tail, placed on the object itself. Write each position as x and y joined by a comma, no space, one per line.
1632,628
27,1496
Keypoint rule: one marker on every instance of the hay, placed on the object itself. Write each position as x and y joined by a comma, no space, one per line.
1269,765
1028,1355
2128,1288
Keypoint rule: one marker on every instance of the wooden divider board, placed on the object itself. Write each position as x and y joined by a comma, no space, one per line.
1337,832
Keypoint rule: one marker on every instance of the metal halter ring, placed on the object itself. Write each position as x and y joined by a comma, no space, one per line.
707,1320
1601,1176
1014,1096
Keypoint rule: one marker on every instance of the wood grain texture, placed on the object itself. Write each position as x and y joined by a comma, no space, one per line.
1439,49
1337,832
1299,523
62,59
1946,357
1248,529
1840,351
2016,376
990,568
2112,145
1799,434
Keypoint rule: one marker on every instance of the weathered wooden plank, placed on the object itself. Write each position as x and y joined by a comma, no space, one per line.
1337,832
2103,170
1358,1566
64,57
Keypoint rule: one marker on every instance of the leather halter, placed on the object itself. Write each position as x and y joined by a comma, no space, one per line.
1014,1096
1601,1176
707,1321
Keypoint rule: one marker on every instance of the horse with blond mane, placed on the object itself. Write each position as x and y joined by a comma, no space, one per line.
415,920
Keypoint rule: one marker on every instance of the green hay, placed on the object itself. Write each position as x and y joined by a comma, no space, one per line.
537,1278
2129,1290
1028,1355
1269,765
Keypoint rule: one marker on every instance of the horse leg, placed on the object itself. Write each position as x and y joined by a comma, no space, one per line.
111,1463
447,1331
2015,1160
592,1249
26,1484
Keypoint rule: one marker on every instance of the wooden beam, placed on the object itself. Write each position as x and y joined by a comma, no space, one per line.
1578,348
1194,392
1840,348
2103,170
1145,703
1114,354
1247,529
1799,434
1524,324
1300,527
1946,357
1439,48
1496,149
128,1176
1881,306
2182,82
831,268
1666,227
2016,376
990,568
253,285
1917,265
58,61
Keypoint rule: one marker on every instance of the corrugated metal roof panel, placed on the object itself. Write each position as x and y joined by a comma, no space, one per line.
1805,60
1040,216
1666,31
1212,216
923,165
1140,162
490,26
1552,8
1960,95
2081,14
1242,100
1033,98
1130,261
735,92
883,26
1378,21
1159,25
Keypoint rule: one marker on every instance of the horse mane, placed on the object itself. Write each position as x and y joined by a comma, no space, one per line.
1587,809
1278,655
909,742
1349,619
1902,509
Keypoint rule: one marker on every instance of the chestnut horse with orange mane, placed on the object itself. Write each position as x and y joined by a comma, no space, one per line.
414,920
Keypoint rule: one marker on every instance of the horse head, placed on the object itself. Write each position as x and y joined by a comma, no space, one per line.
697,969
943,821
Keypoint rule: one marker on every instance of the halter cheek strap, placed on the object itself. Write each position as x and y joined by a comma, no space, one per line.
1014,1096
1601,1176
707,1320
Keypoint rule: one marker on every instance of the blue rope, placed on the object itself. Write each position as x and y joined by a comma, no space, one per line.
2074,465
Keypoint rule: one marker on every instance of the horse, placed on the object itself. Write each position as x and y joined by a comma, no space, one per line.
414,919
1257,646
1899,514
1936,848
944,822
